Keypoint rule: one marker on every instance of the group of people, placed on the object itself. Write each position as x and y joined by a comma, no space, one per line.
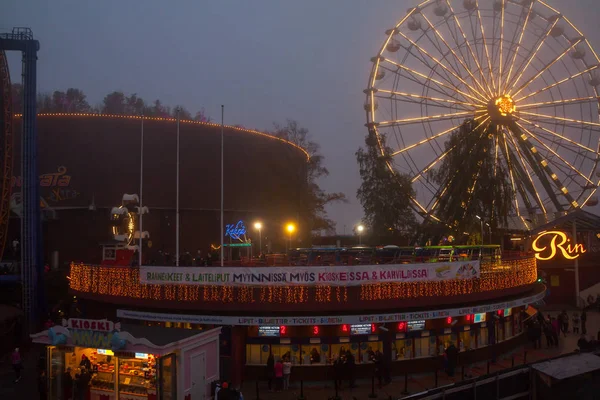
563,324
224,392
344,367
579,320
279,371
450,359
76,387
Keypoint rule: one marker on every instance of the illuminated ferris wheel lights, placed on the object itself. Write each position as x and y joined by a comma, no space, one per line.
448,65
506,105
554,153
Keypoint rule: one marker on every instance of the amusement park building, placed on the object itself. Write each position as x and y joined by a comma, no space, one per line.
412,321
88,161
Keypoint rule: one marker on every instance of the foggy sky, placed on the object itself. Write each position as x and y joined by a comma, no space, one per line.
265,60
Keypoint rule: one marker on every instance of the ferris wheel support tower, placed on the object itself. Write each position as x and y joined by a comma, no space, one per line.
32,266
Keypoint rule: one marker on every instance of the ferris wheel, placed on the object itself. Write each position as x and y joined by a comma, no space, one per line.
518,68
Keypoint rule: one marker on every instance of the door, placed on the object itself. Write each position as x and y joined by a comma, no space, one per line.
198,374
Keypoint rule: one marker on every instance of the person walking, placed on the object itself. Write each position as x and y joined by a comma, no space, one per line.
338,371
15,359
554,330
549,334
378,362
576,323
68,385
564,322
270,371
583,321
225,392
350,365
452,356
287,371
278,375
43,385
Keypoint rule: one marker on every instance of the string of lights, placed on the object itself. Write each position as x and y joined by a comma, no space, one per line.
125,282
163,119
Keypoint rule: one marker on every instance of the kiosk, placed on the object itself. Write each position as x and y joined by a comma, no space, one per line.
102,360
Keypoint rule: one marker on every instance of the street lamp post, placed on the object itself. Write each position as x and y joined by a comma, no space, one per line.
481,222
290,228
360,229
258,227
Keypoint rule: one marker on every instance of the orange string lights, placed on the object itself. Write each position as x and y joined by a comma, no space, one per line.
125,282
172,120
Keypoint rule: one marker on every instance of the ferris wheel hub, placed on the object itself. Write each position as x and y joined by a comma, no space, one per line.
502,109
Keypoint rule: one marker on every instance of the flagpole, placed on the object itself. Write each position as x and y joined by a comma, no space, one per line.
141,192
177,198
222,222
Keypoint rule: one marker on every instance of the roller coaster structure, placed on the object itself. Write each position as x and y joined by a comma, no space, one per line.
6,141
32,267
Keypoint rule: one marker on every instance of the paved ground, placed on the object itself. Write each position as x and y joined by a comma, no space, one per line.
26,388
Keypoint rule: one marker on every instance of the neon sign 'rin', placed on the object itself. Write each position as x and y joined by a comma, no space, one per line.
235,231
558,242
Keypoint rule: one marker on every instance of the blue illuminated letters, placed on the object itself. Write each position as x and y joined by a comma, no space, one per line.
235,231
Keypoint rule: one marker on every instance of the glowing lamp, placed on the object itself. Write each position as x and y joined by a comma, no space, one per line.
290,228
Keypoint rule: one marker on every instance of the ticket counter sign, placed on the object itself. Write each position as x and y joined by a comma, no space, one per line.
268,331
361,329
416,325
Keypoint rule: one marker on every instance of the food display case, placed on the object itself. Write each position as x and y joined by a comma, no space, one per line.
137,377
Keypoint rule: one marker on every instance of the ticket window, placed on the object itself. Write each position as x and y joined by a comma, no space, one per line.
339,350
286,351
508,327
402,349
517,323
354,351
314,354
368,350
499,333
467,340
257,354
444,342
425,346
482,337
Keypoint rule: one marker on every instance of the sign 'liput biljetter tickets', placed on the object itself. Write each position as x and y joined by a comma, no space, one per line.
309,276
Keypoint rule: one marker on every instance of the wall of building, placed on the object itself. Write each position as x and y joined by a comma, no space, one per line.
94,160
